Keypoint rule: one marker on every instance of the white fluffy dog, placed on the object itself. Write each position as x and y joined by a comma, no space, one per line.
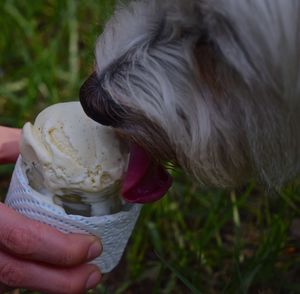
211,85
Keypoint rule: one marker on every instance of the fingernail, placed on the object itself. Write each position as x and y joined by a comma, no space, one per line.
95,250
93,280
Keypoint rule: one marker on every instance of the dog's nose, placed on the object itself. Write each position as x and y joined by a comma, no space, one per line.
98,103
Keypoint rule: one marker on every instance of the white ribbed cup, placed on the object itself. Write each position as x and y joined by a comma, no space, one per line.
114,230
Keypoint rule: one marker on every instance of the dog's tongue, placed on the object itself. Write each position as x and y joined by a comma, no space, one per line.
145,181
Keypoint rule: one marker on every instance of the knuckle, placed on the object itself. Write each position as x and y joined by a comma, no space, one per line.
11,275
73,281
67,258
66,289
20,240
69,287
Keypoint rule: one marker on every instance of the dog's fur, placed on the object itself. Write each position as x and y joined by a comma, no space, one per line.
212,85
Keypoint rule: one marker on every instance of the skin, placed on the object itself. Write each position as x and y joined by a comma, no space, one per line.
9,144
29,249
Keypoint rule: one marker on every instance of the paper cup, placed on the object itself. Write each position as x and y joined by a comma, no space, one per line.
114,230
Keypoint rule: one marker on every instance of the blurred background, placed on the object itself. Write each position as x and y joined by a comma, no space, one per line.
195,240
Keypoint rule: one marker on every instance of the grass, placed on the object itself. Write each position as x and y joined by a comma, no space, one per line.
195,240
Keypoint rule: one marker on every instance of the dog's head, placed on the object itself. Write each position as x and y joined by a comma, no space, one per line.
212,86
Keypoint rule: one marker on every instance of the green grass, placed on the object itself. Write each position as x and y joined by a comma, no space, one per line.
195,240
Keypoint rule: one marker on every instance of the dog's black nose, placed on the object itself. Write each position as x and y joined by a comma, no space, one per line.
98,103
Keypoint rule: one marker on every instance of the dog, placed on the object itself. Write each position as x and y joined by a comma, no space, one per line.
210,85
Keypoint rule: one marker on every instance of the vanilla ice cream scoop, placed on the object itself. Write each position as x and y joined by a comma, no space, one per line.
75,162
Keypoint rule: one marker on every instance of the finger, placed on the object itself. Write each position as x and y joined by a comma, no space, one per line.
36,276
9,144
33,240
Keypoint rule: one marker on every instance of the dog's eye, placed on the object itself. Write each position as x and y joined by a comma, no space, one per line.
98,104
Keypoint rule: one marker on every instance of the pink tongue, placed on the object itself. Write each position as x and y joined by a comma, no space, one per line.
145,181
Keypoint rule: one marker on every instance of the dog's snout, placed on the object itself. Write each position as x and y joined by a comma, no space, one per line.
98,103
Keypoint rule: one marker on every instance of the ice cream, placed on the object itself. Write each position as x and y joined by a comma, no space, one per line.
75,162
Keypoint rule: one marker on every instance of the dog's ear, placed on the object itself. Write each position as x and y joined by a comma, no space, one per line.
250,54
260,39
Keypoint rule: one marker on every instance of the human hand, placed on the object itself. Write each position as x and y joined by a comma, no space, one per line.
9,144
37,257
